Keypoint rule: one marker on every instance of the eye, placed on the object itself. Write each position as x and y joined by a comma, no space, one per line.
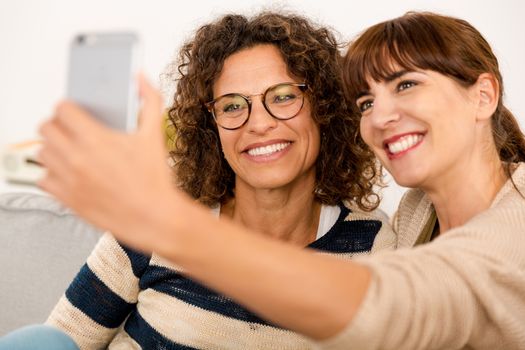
231,105
231,108
283,94
365,105
281,98
405,84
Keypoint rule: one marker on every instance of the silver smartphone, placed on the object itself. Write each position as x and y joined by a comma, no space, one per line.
102,77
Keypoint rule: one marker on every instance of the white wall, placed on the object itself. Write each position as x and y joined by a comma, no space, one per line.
34,38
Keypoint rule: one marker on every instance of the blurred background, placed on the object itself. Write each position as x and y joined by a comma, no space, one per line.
35,36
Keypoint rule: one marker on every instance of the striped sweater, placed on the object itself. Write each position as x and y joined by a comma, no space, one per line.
122,299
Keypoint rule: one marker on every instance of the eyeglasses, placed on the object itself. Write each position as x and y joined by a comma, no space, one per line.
282,101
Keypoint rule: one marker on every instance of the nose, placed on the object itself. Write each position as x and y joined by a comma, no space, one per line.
260,121
385,112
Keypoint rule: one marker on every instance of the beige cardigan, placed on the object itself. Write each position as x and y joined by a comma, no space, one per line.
464,290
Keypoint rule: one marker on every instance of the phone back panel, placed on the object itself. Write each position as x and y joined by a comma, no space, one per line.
101,77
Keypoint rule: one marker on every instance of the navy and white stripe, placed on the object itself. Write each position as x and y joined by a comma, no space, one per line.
163,309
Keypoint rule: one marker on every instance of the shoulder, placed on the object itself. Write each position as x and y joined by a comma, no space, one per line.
109,251
513,192
506,215
507,209
375,224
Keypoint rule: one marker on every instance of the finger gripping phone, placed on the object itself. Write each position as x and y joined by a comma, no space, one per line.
102,74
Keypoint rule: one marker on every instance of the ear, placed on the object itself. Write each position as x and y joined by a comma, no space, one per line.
487,92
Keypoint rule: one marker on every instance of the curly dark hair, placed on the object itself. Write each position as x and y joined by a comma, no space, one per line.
345,168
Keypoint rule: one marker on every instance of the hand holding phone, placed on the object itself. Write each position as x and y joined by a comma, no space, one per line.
102,72
110,178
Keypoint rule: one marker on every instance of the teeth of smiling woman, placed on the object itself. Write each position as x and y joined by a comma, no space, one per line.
404,143
267,150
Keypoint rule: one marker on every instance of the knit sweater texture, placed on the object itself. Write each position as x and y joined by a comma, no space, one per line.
122,299
463,290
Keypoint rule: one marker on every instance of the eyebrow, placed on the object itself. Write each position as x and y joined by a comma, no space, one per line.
395,75
388,79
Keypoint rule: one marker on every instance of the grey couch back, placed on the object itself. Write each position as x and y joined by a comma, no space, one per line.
42,247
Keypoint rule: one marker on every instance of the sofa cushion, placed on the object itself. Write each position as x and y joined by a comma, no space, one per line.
42,247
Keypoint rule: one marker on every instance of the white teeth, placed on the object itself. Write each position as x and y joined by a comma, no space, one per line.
404,143
266,150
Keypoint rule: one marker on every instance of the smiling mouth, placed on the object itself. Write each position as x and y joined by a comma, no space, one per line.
268,150
403,143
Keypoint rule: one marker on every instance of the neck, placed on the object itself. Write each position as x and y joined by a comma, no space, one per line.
289,214
465,192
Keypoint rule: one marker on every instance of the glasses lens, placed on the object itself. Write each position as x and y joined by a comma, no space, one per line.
231,111
284,101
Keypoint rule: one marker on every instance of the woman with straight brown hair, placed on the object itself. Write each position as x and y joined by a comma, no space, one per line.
429,94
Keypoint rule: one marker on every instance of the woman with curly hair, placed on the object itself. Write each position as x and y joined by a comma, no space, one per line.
345,168
265,139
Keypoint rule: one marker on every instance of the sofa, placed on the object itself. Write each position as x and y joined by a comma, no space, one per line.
43,245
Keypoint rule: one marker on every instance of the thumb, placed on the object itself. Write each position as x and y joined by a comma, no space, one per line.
151,114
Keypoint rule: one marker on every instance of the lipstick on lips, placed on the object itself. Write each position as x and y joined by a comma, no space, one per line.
398,145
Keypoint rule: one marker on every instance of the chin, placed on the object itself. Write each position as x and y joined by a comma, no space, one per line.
273,178
410,174
269,181
407,183
405,179
268,184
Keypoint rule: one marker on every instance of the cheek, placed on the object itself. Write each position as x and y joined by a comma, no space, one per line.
315,133
365,130
227,143
314,130
305,126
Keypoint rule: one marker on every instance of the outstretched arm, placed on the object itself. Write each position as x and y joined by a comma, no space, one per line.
466,287
120,182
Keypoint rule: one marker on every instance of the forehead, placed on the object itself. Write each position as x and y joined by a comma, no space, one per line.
252,70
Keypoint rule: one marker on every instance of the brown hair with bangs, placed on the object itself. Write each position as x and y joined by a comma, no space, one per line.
345,170
428,41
